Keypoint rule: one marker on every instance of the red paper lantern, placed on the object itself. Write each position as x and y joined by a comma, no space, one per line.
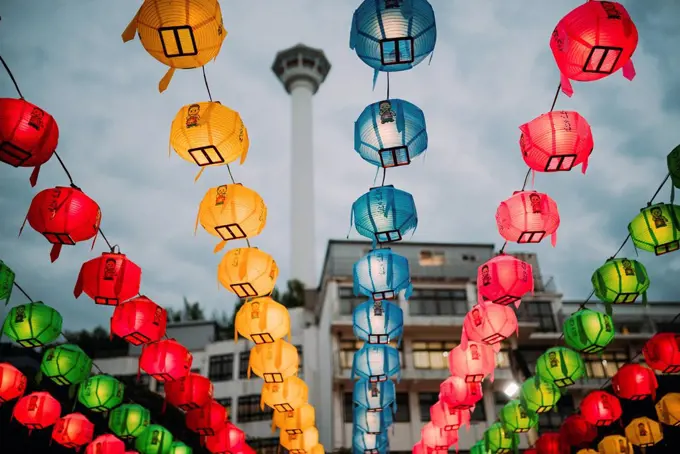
28,135
528,217
109,279
576,431
457,394
600,408
242,448
106,444
12,382
64,216
189,393
488,323
73,431
447,418
530,451
548,443
662,353
556,141
207,420
37,410
505,279
593,41
436,438
473,363
634,382
139,321
225,440
166,360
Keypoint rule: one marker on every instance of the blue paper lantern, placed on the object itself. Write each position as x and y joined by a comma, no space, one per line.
376,363
384,214
390,133
381,275
372,422
378,322
375,396
365,443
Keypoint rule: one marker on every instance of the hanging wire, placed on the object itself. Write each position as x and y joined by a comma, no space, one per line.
23,291
383,177
207,87
11,76
388,86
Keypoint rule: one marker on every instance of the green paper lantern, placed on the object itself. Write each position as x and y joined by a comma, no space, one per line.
588,331
656,229
33,324
478,448
6,282
154,440
560,365
620,281
515,419
66,364
129,421
498,441
180,448
674,166
101,393
539,396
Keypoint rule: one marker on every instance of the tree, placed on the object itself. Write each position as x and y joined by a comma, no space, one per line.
190,312
98,343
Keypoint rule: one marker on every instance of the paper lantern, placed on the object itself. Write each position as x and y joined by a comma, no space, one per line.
458,394
473,363
33,324
248,272
109,279
516,419
528,217
66,364
375,396
505,279
378,322
154,440
656,228
28,135
590,451
73,431
300,443
600,408
37,410
232,212
225,440
576,431
673,161
447,418
668,409
317,449
106,444
478,448
177,447
262,320
390,133
384,214
488,324
620,281
209,134
381,274
189,393
644,432
286,396
538,396
560,365
274,362
139,321
437,438
363,442
372,422
101,393
166,360
12,383
64,216
180,35
376,363
6,282
294,422
556,141
615,444
588,331
207,420
129,421
498,441
662,353
593,41
635,382
549,443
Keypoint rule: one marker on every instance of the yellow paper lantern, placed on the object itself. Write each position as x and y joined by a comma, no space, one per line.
668,409
301,443
274,362
287,396
644,432
180,34
294,422
587,451
318,449
262,321
232,212
615,444
209,134
248,272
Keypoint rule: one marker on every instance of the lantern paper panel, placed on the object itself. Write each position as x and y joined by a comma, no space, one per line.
101,393
226,440
673,162
300,443
516,419
615,444
109,279
620,281
635,382
489,324
66,364
539,396
576,431
129,421
528,217
180,35
656,228
73,431
437,438
165,360
376,363
274,362
668,409
37,410
473,363
177,447
588,331
208,419
447,418
458,394
644,432
189,393
381,274
155,439
561,366
600,408
248,272
363,442
287,396
262,320
505,279
390,133
384,214
6,282
139,321
33,325
12,383
293,422
378,396
372,422
662,353
549,443
591,451
499,441
378,322
477,448
106,444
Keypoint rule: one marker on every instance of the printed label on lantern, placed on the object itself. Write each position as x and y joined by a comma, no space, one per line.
241,132
36,119
566,121
660,221
109,269
193,116
535,201
386,113
157,316
525,272
221,195
155,437
486,277
54,203
611,10
20,314
628,267
554,361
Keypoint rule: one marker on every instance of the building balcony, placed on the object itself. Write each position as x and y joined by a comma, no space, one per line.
435,376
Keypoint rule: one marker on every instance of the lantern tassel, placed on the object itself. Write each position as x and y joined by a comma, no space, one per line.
54,253
629,70
130,31
165,81
34,176
672,194
567,89
198,175
219,246
553,239
375,78
533,179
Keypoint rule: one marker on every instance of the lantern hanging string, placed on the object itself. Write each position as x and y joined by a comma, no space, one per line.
11,76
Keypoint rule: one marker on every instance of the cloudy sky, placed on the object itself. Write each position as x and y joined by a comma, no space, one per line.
492,71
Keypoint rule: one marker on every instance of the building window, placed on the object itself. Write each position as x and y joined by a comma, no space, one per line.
541,312
160,387
604,365
264,445
403,413
479,415
226,403
350,346
425,401
431,258
243,358
425,301
347,407
221,367
503,356
431,354
552,420
348,301
248,409
301,370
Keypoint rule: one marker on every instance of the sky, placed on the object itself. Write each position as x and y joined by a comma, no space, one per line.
492,71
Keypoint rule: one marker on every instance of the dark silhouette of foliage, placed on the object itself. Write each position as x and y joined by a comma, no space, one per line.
98,343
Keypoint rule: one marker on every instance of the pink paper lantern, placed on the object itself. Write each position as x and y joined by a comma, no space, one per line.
505,279
438,439
458,394
528,217
489,324
447,418
473,363
421,448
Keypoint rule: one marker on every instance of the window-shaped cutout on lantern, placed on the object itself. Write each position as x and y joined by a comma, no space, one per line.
531,237
59,238
205,156
378,339
387,295
230,232
396,51
178,41
262,338
272,377
388,236
243,290
666,248
283,407
626,297
394,157
602,59
13,155
560,163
